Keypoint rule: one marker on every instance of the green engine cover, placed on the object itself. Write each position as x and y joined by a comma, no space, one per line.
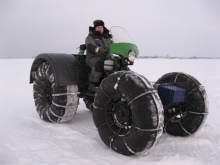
123,48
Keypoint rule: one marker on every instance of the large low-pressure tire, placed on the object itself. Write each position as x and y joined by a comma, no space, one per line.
53,104
189,117
128,113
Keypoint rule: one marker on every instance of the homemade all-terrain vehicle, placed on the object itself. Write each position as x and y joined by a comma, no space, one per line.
130,112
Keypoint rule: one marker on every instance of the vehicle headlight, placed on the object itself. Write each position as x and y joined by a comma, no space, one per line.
131,56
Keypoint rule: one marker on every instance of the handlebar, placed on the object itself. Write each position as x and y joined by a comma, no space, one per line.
112,56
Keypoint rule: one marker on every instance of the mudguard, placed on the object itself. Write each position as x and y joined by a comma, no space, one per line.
67,69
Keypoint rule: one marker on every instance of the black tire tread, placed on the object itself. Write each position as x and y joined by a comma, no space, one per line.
53,104
196,104
147,112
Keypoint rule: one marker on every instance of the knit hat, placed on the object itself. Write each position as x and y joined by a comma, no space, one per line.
98,22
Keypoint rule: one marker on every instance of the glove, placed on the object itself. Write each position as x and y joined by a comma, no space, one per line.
103,51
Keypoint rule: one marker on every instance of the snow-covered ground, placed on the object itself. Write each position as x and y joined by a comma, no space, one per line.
26,139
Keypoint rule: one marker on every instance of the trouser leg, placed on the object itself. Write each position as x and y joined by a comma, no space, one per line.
97,72
95,76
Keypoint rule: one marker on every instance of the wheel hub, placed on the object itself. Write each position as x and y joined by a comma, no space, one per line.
118,116
121,115
49,93
175,112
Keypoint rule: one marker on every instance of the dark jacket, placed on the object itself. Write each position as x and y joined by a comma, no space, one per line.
95,40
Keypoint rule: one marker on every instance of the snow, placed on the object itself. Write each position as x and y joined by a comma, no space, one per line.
26,139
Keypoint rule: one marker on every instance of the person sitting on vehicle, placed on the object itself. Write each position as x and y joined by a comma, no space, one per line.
97,45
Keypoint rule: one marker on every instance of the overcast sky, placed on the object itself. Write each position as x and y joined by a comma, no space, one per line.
158,27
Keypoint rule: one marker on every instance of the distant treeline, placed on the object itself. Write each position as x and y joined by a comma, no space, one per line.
139,57
171,57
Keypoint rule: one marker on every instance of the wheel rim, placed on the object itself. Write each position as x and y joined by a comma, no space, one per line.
118,116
